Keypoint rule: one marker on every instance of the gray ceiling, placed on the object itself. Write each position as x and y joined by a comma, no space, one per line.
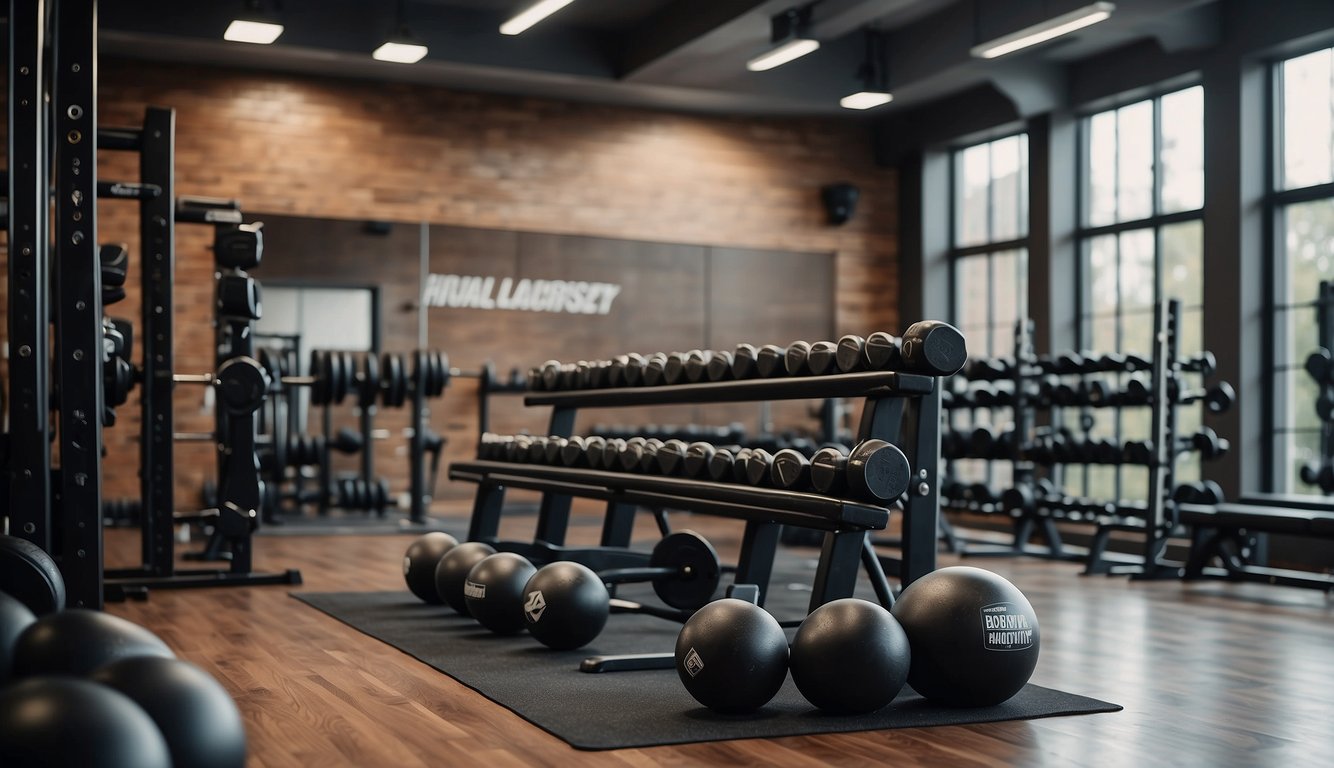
673,54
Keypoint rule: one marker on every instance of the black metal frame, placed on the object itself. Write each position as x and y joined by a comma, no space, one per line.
28,475
896,405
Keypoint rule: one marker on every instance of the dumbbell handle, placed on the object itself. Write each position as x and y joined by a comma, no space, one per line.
643,573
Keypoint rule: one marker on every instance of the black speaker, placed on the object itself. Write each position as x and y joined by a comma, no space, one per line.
840,200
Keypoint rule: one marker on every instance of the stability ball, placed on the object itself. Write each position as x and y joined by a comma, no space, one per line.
78,641
14,618
494,591
566,605
974,636
732,656
54,722
193,711
452,571
420,560
850,656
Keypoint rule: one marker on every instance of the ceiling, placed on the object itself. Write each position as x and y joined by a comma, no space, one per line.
672,54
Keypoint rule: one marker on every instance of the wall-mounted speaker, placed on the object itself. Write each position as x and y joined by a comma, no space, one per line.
840,201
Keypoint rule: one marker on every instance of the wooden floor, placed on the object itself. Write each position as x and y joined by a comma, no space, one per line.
1210,674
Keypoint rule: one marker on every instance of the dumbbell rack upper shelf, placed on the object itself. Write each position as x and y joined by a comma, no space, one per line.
867,384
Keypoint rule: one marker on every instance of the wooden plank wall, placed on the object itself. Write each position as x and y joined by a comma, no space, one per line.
302,145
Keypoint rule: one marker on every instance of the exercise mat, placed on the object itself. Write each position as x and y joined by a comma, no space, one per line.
615,710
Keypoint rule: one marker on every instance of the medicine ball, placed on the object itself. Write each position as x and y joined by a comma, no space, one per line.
29,574
974,636
566,605
732,656
78,641
420,560
850,656
193,711
494,591
452,571
14,618
62,721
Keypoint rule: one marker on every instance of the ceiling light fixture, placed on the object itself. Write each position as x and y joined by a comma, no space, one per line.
874,74
790,38
400,48
254,26
1043,31
531,15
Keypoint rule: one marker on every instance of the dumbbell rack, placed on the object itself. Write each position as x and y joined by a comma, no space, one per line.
1320,366
896,404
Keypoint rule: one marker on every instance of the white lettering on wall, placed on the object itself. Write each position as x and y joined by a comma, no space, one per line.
522,295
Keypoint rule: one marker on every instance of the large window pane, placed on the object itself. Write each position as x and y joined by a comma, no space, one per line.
1101,198
1009,169
972,281
1138,278
1308,120
1183,262
1134,161
1182,150
972,170
1102,278
1309,243
1009,269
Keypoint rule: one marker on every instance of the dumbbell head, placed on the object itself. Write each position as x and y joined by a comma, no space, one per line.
671,457
697,457
877,470
758,466
790,470
719,465
743,361
822,358
719,367
933,348
239,247
633,369
882,351
848,353
698,363
770,361
655,370
794,359
1320,365
674,368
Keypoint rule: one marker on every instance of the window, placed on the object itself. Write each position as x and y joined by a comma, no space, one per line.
989,266
990,251
1141,233
1303,210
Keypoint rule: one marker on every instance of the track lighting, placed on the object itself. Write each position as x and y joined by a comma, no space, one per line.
1043,31
254,26
790,38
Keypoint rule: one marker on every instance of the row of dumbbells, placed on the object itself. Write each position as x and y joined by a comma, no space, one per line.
929,347
1051,391
873,470
1044,495
1064,447
730,434
309,450
361,494
1079,364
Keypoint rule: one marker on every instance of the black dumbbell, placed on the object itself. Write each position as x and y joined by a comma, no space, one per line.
790,469
882,351
611,453
980,442
874,470
1203,363
794,358
987,369
1319,475
823,358
740,458
655,370
848,354
1207,442
633,369
719,467
770,361
671,457
697,365
1138,452
696,461
933,348
1320,365
1199,492
743,362
720,366
1218,397
759,465
674,368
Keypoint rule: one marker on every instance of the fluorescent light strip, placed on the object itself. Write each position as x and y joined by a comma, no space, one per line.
1047,30
399,53
531,15
792,49
865,99
258,32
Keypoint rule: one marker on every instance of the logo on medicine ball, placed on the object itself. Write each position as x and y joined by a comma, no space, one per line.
535,607
694,664
1006,628
474,590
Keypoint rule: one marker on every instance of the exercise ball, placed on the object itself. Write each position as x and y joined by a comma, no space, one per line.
732,656
452,571
566,605
420,560
193,711
494,591
78,641
29,574
14,618
55,722
974,636
849,656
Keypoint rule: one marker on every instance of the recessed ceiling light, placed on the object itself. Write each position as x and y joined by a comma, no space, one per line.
258,32
399,53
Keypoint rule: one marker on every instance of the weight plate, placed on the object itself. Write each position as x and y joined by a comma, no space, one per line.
337,385
319,390
30,576
391,379
349,373
698,569
442,360
370,380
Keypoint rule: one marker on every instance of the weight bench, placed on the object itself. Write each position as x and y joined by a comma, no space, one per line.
1225,532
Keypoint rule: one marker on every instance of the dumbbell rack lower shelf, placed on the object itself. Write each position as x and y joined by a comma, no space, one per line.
900,408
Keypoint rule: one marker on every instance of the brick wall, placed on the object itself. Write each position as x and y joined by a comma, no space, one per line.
344,149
